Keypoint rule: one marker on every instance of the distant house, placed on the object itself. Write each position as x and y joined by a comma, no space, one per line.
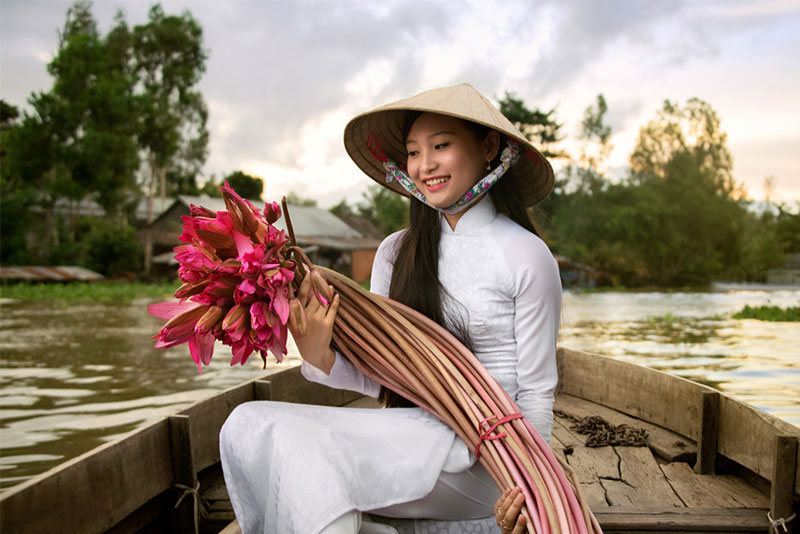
326,239
575,274
788,274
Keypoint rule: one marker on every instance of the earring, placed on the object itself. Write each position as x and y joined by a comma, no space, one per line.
488,166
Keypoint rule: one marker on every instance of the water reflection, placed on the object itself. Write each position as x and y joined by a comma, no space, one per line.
692,335
72,378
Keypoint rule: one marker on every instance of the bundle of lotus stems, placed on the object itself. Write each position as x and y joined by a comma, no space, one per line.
245,296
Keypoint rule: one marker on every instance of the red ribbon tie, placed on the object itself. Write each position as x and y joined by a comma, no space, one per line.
486,436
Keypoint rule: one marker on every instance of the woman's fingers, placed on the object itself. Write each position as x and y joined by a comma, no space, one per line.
519,528
513,511
332,309
303,290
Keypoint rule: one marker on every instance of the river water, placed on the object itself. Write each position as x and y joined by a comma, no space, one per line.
75,377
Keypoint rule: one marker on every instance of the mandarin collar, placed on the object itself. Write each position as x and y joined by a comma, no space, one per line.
478,216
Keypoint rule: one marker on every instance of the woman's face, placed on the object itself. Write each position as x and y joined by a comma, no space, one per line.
444,158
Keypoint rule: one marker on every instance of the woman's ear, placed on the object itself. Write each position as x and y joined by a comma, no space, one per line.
491,145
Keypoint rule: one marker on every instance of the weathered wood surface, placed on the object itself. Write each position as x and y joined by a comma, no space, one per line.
665,443
207,417
745,434
707,442
684,520
781,501
133,473
712,491
95,491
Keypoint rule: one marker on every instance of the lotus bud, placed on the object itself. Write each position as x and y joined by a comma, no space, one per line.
321,289
209,320
182,326
242,215
297,318
272,212
230,266
200,211
191,288
236,322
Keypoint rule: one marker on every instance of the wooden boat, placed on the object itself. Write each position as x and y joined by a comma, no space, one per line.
712,464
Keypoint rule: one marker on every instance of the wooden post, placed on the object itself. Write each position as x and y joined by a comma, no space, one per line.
784,467
183,470
262,390
709,430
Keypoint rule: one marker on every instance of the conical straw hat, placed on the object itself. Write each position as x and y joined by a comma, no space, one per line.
532,173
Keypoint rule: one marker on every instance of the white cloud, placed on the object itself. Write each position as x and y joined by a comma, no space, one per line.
283,78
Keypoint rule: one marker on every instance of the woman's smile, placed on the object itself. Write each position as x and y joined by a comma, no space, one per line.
435,183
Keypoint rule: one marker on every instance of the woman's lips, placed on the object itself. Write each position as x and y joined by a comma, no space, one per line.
435,183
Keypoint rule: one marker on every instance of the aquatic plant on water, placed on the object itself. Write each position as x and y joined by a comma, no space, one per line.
240,280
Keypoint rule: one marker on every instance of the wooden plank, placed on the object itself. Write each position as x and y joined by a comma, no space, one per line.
640,483
208,416
712,491
684,520
709,429
783,475
633,389
96,490
183,470
590,464
667,444
745,433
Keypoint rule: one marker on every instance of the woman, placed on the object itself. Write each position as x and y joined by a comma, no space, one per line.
469,260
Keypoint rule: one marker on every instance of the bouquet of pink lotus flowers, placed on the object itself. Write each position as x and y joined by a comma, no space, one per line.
239,277
236,277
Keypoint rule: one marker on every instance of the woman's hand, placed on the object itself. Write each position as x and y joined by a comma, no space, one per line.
315,344
507,512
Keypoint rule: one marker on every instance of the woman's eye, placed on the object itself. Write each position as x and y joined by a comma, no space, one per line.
412,153
441,145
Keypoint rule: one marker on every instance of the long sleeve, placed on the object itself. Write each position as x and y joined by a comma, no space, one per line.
537,308
344,375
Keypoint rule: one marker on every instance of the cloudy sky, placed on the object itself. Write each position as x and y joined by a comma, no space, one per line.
283,77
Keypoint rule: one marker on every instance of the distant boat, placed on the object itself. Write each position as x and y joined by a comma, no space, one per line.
711,464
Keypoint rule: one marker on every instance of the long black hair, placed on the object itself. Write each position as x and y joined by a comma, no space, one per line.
415,275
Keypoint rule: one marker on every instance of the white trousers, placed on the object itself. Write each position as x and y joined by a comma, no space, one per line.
471,494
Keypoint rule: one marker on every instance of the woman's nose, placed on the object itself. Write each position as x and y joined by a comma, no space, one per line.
428,161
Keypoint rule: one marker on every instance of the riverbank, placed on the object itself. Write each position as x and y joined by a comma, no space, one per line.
87,292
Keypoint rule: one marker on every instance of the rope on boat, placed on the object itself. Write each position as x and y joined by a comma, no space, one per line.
194,492
602,433
780,522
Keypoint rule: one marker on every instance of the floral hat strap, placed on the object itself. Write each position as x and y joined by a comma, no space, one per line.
509,156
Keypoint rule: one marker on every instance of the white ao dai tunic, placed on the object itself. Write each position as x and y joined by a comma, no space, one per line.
293,468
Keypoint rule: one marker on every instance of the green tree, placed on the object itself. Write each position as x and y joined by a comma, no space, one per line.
539,127
247,186
169,60
693,129
386,209
294,199
342,209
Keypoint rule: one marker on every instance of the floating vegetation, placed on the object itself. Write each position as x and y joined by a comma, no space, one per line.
769,313
87,291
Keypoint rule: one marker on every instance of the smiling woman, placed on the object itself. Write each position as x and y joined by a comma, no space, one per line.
471,175
446,158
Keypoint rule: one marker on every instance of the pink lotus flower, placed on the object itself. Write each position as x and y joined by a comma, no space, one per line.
237,283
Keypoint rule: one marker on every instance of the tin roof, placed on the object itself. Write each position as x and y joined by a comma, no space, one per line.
307,221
